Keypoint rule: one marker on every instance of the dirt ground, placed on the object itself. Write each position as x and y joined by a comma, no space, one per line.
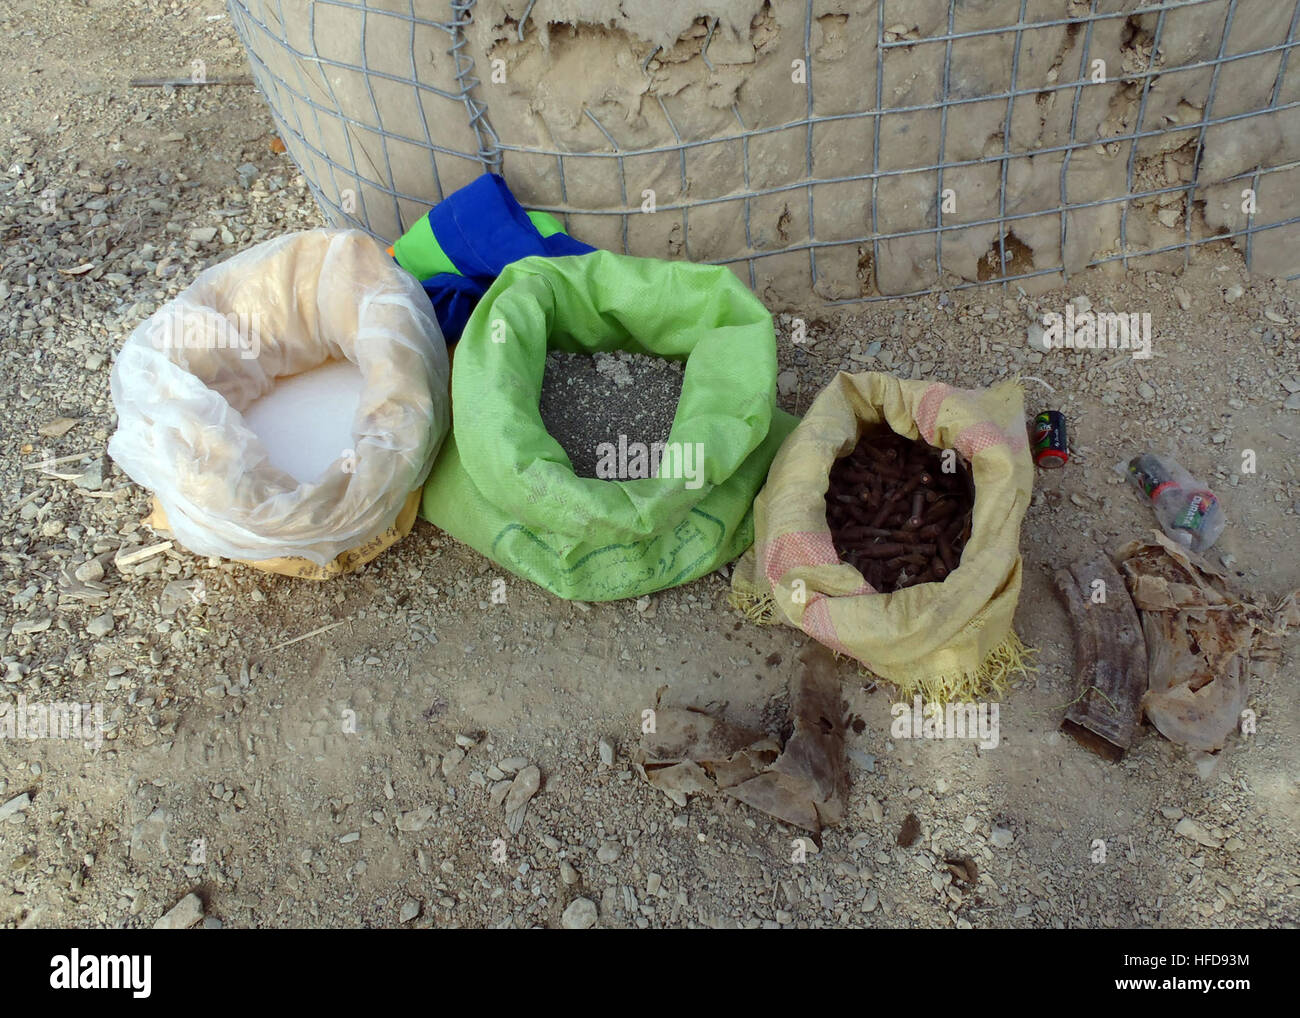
231,767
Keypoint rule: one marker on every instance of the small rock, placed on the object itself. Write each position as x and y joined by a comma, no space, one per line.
514,764
184,914
451,761
1183,297
58,427
1001,837
416,819
1233,293
523,788
203,234
17,804
606,753
787,382
174,596
410,909
864,760
567,873
101,625
609,851
92,478
1037,336
1189,828
870,902
580,915
90,571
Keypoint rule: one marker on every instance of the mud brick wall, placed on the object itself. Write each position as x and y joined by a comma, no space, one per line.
821,148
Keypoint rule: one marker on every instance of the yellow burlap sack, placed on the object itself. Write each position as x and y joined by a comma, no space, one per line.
947,641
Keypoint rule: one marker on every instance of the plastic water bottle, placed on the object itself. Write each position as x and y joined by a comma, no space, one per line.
1186,510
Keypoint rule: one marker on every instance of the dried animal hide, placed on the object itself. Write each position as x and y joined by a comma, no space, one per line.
805,783
1205,645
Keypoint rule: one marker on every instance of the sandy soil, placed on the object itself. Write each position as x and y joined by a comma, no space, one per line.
233,767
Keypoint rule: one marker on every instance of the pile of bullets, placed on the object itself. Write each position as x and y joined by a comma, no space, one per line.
899,511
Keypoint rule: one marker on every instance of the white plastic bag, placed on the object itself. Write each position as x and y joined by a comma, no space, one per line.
184,377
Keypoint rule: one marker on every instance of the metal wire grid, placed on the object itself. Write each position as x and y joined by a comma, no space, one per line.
491,152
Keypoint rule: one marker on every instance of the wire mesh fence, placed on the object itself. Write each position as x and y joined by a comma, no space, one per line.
858,150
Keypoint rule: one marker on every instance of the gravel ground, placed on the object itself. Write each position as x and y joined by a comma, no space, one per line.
378,772
588,401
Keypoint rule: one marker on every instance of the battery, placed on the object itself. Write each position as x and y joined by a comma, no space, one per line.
1048,441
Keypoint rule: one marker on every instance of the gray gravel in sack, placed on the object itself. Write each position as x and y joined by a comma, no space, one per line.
590,399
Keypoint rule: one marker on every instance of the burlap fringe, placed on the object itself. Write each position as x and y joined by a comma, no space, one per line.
990,681
757,608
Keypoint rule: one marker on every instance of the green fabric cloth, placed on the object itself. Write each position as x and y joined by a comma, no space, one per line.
505,487
420,254
545,223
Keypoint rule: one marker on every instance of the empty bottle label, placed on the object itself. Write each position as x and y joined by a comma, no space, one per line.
1192,516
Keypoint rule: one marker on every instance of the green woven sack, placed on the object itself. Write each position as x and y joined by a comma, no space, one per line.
506,488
